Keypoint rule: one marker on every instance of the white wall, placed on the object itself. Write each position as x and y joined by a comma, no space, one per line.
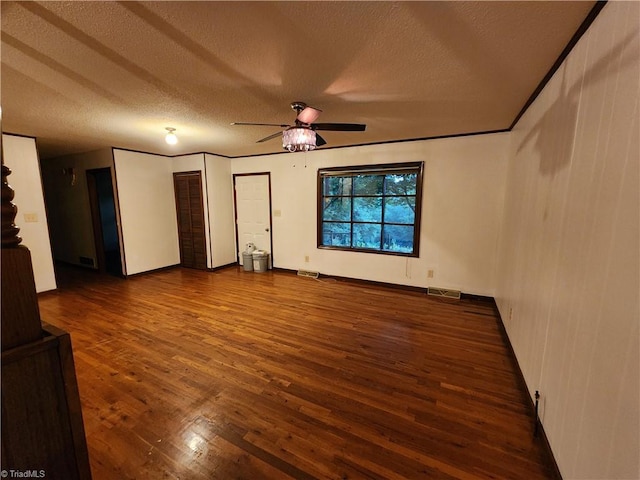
462,205
71,226
220,204
147,210
21,156
570,251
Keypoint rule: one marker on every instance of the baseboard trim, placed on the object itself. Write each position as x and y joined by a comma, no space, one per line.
552,465
48,293
372,283
395,286
86,268
223,267
284,270
477,298
155,270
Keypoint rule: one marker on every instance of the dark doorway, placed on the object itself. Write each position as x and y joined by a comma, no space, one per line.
105,225
190,210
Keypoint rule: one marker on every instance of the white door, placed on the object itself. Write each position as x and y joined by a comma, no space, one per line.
253,212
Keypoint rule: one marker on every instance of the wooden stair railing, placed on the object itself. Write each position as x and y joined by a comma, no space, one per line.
42,427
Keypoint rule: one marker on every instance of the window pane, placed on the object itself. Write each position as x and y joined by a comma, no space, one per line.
366,235
371,207
336,234
336,186
368,184
402,184
367,209
400,210
398,238
337,208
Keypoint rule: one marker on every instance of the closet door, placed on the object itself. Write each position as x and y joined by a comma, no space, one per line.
190,209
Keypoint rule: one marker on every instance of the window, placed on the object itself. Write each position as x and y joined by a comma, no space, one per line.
370,208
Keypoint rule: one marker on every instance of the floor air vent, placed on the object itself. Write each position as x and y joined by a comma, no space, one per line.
443,292
307,273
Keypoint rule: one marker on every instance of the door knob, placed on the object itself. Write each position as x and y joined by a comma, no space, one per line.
266,229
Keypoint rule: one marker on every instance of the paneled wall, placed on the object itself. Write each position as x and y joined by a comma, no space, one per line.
148,210
462,206
21,156
220,203
568,277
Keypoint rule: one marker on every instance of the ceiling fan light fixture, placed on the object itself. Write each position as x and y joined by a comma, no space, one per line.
298,139
171,137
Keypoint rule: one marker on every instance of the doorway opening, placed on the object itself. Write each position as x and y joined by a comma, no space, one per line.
105,225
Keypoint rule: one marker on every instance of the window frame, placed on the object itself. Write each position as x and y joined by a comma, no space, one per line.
378,169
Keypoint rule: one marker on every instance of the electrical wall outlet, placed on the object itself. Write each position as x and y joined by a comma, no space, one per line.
306,258
429,273
30,217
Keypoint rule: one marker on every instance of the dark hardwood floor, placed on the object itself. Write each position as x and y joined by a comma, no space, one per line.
185,374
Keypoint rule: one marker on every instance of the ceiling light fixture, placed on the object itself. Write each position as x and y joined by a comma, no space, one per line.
171,138
298,139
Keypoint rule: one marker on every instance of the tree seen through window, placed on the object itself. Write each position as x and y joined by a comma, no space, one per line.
370,208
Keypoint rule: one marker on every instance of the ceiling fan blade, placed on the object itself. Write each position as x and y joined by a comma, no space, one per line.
320,141
339,127
308,115
261,124
270,137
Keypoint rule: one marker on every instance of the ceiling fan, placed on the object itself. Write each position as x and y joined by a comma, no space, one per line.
302,136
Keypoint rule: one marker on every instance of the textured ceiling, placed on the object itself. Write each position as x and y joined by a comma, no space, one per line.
80,76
